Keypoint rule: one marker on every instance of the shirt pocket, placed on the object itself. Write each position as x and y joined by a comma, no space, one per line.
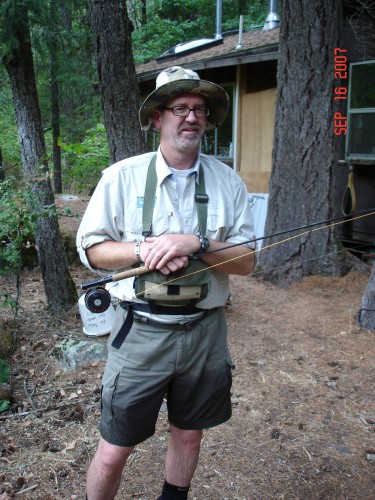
219,222
133,224
161,223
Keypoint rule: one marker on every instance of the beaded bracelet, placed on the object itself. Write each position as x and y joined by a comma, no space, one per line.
138,251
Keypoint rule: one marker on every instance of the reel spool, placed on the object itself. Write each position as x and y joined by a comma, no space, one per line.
97,300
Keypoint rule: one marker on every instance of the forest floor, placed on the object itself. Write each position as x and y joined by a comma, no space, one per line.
303,423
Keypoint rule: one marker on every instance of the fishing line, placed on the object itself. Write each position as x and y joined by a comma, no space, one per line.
257,273
362,213
339,221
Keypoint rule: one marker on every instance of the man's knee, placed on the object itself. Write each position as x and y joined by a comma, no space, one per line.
112,456
186,438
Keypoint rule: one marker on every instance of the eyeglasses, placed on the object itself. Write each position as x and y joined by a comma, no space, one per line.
185,111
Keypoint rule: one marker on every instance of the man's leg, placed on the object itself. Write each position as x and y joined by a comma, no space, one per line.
104,474
181,462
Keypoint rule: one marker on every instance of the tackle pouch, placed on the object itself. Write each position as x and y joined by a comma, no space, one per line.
183,287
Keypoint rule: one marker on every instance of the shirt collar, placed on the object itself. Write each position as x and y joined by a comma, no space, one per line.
163,171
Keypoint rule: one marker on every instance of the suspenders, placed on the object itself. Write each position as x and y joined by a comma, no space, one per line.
201,200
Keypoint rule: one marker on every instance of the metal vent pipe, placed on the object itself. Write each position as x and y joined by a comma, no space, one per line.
219,10
273,20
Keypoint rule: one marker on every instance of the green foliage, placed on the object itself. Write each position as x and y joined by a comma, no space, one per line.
4,379
4,372
9,144
18,217
171,22
63,27
85,160
64,31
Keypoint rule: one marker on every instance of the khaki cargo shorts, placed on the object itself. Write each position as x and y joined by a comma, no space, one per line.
191,368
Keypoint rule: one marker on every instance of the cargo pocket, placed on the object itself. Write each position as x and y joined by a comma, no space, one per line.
108,394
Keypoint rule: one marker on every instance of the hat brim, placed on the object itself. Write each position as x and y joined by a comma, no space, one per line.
216,97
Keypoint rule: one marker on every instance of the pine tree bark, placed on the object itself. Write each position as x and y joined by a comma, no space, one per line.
117,78
55,104
60,290
366,313
304,150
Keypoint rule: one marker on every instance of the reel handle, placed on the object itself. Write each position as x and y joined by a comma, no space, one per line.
137,271
98,299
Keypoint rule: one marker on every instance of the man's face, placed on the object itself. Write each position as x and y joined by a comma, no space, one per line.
181,132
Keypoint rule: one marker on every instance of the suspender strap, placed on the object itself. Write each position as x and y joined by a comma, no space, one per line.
201,200
149,198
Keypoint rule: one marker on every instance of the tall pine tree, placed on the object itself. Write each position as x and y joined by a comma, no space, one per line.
18,61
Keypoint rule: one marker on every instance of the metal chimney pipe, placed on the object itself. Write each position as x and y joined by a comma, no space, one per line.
240,33
273,20
219,10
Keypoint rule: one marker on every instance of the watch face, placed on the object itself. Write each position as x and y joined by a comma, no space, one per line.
204,243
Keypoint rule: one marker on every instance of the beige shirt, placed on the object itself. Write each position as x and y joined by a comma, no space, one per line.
115,213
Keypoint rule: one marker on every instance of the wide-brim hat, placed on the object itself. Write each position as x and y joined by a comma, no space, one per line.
176,80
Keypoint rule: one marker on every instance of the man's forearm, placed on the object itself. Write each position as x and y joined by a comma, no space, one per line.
237,260
112,255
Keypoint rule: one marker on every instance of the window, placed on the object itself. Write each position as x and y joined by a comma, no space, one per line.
219,142
360,139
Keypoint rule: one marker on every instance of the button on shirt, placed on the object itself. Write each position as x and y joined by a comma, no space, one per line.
115,213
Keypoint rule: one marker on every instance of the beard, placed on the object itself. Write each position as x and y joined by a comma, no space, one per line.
189,137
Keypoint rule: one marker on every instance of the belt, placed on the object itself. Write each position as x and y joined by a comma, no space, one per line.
130,318
172,326
151,307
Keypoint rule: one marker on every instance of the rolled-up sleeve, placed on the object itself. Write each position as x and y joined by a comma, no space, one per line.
102,221
243,228
229,211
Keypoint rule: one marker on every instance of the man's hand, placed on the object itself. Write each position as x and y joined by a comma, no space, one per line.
168,252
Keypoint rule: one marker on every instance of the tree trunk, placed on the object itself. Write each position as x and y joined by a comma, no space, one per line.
55,106
366,313
304,158
143,12
118,84
59,287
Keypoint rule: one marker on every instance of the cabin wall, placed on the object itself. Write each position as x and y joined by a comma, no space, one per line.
257,128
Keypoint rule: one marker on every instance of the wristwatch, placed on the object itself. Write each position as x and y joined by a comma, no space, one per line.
205,243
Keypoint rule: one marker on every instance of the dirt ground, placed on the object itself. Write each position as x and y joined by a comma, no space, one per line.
303,423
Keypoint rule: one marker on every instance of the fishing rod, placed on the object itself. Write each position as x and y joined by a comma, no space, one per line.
98,299
355,215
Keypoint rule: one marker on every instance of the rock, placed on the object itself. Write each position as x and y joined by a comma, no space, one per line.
71,354
332,384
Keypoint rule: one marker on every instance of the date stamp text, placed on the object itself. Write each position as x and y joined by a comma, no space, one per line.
340,91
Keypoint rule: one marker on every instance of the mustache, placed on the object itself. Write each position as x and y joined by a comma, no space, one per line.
189,128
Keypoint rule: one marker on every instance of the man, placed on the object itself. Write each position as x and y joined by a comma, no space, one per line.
157,349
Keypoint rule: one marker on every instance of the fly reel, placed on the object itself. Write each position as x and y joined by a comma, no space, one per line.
97,300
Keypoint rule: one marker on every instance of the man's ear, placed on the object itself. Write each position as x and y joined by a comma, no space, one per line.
156,118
